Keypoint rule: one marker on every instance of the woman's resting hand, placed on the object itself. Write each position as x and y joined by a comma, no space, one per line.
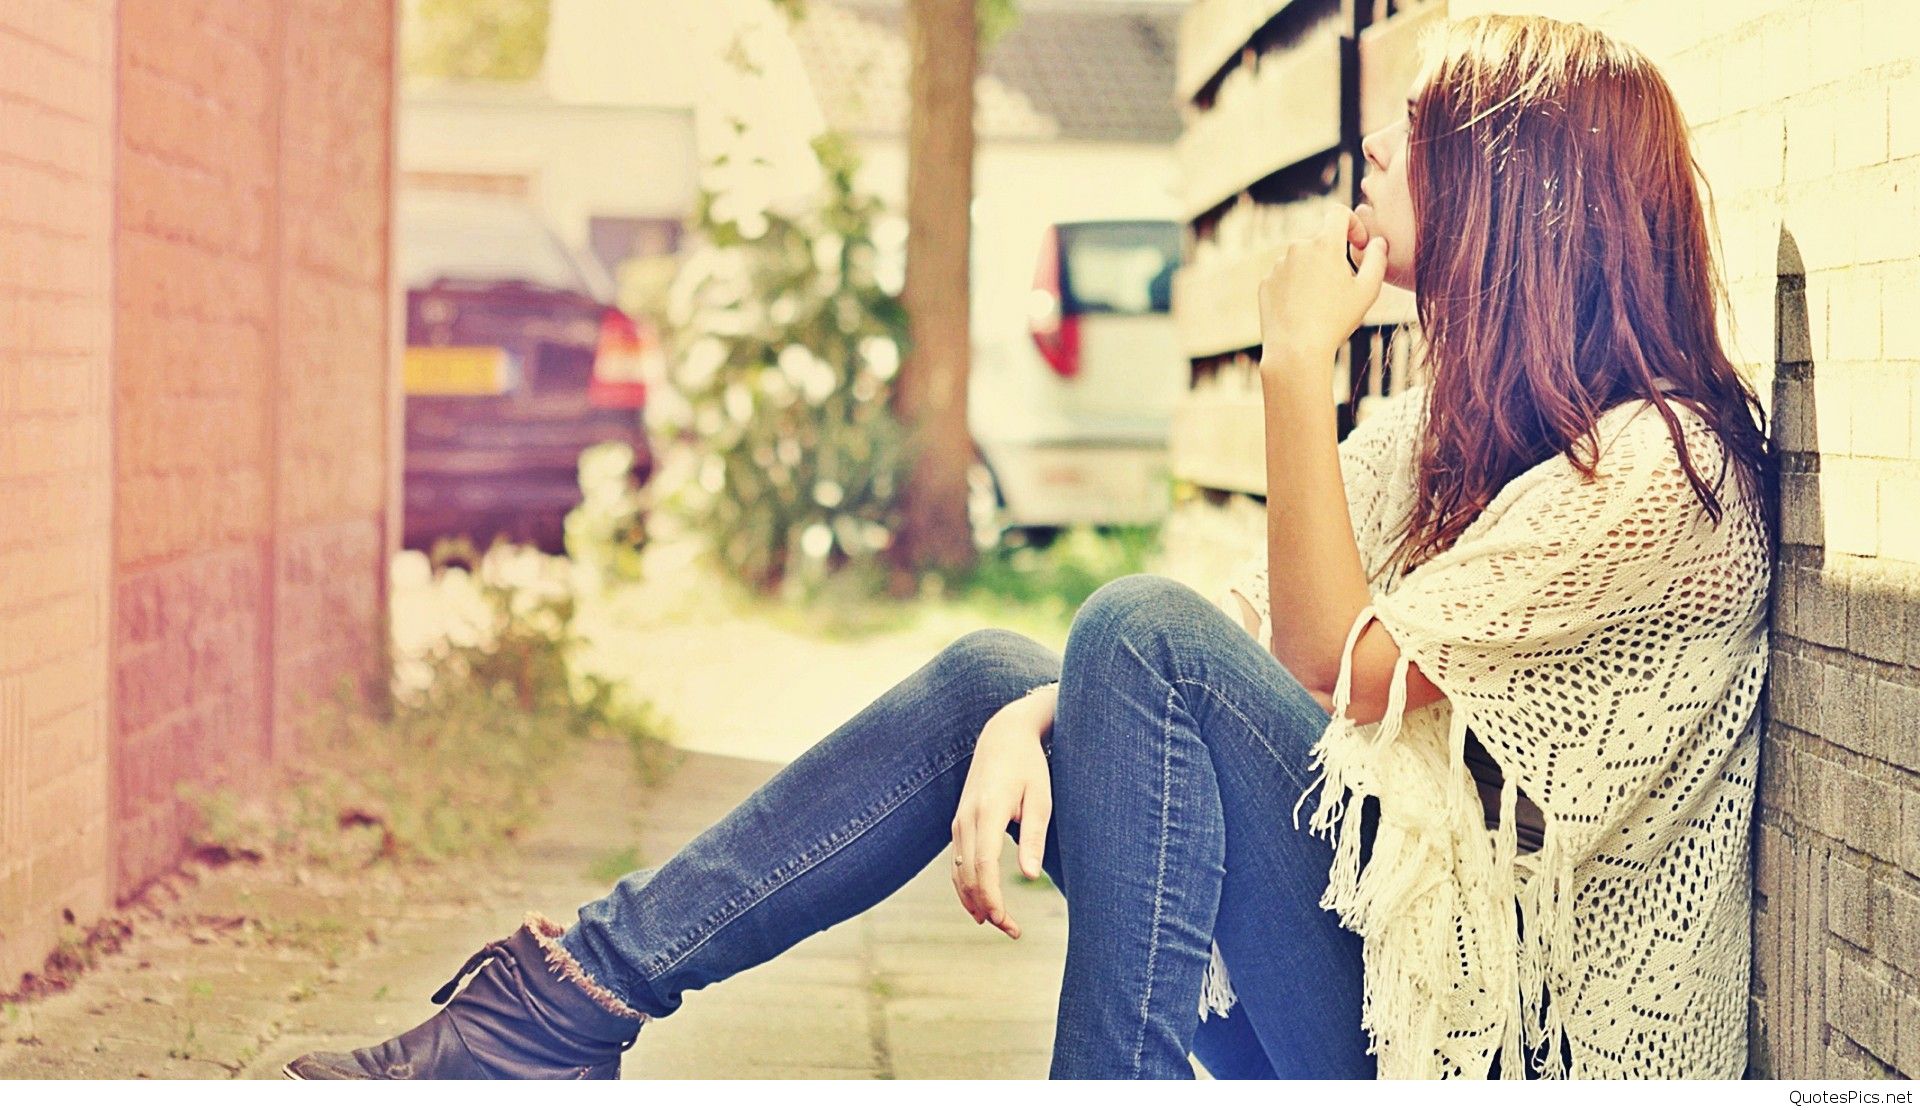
1008,781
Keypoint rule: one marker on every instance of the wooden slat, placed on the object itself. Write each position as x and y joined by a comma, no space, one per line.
1211,33
1291,112
1216,307
1389,62
1208,540
1218,436
1395,306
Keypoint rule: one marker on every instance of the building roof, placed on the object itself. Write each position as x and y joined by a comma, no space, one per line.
1086,70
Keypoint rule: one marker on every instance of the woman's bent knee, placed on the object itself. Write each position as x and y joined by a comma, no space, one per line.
1126,607
1006,665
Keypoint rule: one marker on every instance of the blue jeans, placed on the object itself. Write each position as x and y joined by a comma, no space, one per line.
1178,751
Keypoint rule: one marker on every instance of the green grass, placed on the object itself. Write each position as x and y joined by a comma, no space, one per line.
1038,590
1026,588
614,866
851,604
330,938
1063,573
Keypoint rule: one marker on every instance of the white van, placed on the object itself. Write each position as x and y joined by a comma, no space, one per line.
1072,425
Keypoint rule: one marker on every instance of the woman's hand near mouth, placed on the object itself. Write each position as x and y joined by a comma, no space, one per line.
1313,299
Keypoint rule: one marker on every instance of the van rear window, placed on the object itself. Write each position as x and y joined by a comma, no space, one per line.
1118,267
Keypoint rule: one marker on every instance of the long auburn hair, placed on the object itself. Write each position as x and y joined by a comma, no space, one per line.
1563,264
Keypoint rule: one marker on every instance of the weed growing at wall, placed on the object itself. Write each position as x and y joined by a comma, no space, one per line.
455,759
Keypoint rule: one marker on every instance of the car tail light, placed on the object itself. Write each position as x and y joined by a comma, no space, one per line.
1055,332
1060,345
627,355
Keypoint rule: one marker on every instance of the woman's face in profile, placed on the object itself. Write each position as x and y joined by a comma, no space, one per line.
1387,207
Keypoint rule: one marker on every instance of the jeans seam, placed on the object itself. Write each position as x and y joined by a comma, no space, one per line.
1166,756
1160,872
1258,733
807,861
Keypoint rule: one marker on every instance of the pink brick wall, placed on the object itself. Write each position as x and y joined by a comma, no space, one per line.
195,336
252,387
56,125
196,397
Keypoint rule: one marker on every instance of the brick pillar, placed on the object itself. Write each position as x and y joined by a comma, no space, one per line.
336,450
196,414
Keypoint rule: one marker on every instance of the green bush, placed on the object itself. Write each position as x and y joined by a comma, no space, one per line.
607,530
785,350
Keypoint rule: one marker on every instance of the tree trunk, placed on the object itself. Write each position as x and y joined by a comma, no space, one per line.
931,395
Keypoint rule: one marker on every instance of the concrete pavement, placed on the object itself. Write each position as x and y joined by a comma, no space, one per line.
251,968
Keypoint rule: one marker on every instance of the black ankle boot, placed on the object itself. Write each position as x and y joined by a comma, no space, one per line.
531,1013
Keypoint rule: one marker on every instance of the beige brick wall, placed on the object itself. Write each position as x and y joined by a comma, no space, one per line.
1806,114
56,126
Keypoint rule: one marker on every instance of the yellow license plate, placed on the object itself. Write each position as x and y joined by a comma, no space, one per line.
471,371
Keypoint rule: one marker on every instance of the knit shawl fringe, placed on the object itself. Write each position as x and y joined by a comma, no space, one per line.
1216,989
1432,865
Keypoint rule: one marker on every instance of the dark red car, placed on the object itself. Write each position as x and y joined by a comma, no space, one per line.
516,362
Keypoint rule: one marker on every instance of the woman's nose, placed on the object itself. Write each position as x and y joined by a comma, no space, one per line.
1374,150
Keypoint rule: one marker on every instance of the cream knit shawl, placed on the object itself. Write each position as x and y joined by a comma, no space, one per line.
1607,643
